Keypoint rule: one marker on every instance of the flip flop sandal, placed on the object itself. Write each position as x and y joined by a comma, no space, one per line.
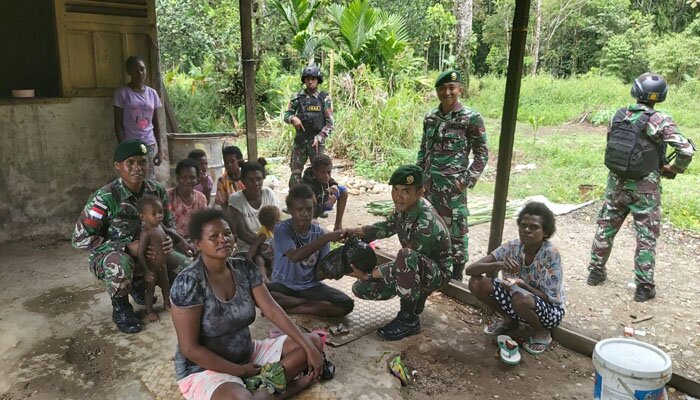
509,350
499,327
532,342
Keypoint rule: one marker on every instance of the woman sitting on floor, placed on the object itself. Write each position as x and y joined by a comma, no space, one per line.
213,305
531,289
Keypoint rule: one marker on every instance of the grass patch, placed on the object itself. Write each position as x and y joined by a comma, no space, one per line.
566,160
593,98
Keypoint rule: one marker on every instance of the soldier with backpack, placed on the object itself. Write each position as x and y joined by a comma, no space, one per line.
311,113
635,154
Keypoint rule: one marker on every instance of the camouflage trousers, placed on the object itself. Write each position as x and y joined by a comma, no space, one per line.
451,205
411,274
646,211
301,151
117,269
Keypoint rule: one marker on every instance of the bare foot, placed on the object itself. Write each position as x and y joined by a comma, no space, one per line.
152,316
298,385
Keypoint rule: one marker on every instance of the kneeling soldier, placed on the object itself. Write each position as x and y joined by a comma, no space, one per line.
422,265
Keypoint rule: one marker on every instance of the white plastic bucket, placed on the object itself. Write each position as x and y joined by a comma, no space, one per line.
627,369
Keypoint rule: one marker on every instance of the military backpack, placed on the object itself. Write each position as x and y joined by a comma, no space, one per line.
630,153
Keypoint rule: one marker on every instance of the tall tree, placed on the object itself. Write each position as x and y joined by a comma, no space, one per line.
464,12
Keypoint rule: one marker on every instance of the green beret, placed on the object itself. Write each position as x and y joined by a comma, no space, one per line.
407,175
451,75
130,148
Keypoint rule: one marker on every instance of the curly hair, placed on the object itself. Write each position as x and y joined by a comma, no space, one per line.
541,210
252,166
201,218
186,163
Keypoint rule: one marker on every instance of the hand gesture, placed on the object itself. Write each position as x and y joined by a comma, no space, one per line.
510,266
356,273
167,246
461,187
249,370
157,158
347,232
334,191
315,362
337,235
297,123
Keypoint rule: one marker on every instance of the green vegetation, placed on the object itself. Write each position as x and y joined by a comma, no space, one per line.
387,53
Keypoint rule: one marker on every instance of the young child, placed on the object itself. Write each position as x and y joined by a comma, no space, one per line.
299,245
230,181
153,234
205,184
326,189
261,250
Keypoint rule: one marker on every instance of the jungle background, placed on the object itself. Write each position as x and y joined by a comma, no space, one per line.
581,57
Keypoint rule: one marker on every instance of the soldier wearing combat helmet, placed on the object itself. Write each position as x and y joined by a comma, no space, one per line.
422,265
450,132
635,155
311,113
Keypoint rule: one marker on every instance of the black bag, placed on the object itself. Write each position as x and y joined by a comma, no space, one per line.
337,262
630,153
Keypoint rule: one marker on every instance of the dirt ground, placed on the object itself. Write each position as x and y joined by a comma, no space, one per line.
57,339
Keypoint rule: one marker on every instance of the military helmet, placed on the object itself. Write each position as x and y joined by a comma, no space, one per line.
313,71
649,88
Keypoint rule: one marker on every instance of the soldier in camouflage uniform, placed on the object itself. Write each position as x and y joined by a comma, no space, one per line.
311,113
450,132
108,228
424,262
641,197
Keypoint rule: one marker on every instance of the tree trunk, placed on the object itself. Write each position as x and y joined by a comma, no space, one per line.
536,37
464,11
258,16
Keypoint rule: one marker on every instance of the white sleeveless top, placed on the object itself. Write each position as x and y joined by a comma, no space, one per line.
250,214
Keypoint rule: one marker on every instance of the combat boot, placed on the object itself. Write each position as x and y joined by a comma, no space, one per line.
124,317
644,293
596,276
405,324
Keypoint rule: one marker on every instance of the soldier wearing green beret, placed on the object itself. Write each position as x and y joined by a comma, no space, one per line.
424,262
109,228
450,132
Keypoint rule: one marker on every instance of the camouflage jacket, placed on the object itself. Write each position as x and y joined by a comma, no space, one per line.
660,128
447,141
420,229
294,109
110,219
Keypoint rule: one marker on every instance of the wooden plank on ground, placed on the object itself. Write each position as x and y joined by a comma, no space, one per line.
567,335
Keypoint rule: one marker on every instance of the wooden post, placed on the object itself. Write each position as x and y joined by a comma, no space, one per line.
508,121
248,77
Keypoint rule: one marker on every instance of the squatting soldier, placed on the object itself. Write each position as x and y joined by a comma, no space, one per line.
109,226
635,187
311,113
450,132
424,262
